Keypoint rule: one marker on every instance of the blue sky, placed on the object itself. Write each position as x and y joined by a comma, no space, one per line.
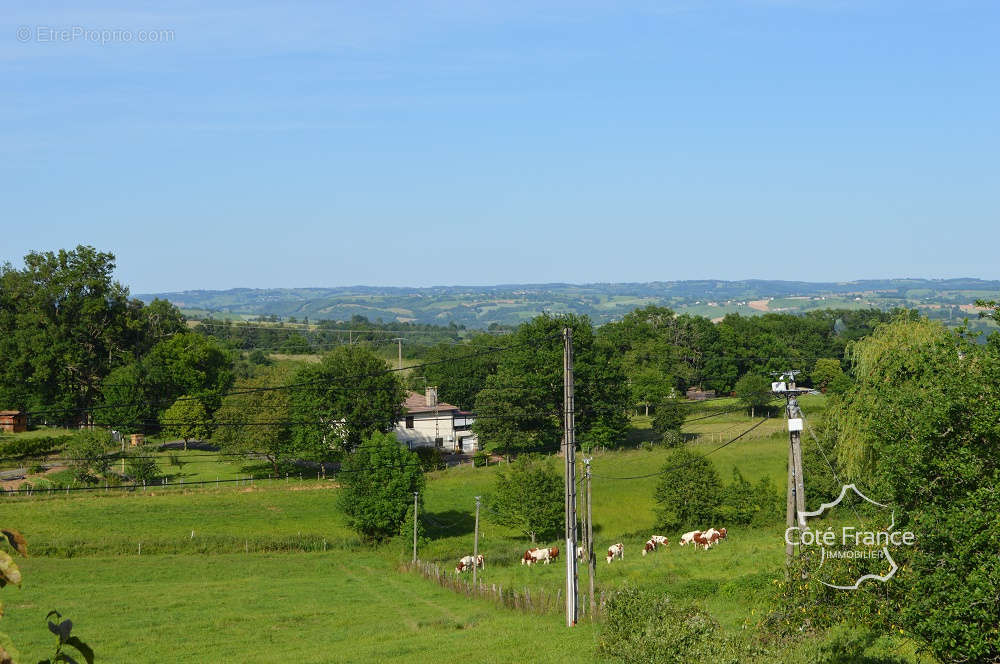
429,143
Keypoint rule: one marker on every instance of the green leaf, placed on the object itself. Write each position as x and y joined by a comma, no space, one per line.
83,648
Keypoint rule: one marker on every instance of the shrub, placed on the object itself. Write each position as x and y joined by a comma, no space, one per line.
688,492
479,459
846,644
673,438
669,416
378,480
30,447
644,626
88,452
745,503
431,459
141,467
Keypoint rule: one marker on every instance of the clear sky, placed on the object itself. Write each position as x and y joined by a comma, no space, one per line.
422,143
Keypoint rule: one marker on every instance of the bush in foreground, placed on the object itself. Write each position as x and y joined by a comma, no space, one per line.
643,626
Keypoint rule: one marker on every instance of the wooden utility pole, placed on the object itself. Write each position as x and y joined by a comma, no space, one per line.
399,342
795,503
589,548
569,450
415,494
475,546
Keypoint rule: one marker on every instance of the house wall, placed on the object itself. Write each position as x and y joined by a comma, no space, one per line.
427,427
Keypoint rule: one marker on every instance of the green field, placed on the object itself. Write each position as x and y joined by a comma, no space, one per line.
269,571
271,607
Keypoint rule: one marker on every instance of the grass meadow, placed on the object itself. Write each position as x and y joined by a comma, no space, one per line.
269,571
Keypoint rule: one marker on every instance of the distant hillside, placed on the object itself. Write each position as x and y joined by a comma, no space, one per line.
479,306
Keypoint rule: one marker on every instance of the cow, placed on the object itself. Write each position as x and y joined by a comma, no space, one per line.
706,541
579,553
616,551
659,540
649,546
711,532
467,562
688,537
722,533
532,556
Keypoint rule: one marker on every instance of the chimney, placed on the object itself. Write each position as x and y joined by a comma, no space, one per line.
431,395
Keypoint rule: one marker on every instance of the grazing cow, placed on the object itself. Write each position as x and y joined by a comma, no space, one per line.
650,546
688,537
616,551
532,556
722,533
553,553
711,532
706,541
467,562
660,540
579,553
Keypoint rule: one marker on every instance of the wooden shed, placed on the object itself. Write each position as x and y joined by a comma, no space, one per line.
13,421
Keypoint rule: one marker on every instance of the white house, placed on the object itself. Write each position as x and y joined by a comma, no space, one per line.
429,422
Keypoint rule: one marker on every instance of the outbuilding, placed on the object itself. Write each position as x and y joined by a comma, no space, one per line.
13,421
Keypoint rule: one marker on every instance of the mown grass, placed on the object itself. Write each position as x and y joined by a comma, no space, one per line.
269,607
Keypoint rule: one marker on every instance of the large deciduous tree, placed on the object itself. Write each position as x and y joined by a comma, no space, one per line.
521,407
528,496
919,430
256,417
688,493
754,392
349,395
64,324
188,419
136,395
378,480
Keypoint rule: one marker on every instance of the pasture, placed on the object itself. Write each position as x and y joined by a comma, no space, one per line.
245,573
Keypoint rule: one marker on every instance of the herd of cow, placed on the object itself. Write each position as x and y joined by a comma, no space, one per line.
700,539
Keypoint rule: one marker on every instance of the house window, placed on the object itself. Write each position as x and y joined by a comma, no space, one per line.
439,442
409,421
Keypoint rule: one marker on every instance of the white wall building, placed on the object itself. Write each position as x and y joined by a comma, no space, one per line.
431,423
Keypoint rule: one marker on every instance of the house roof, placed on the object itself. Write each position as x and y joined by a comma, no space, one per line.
10,412
417,403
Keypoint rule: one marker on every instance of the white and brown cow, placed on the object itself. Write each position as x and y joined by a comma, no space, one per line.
649,546
660,540
688,537
616,551
467,562
532,556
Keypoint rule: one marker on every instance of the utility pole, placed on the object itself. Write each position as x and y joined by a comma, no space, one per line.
569,443
589,549
795,499
399,342
415,494
475,546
